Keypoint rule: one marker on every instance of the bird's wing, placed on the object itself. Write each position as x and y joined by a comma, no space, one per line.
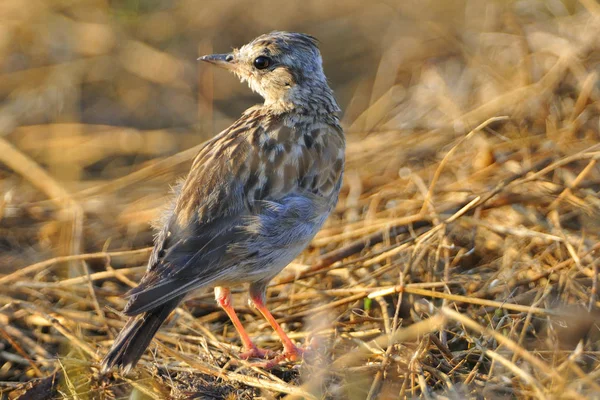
257,160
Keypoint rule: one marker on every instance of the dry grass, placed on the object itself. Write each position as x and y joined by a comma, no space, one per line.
461,261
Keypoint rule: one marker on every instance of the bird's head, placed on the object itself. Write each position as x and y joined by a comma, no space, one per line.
283,67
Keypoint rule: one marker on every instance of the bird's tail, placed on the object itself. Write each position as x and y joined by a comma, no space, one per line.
135,337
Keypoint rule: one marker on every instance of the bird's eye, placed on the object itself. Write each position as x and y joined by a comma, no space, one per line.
262,62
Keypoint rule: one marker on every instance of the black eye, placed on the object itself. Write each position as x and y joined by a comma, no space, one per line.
262,62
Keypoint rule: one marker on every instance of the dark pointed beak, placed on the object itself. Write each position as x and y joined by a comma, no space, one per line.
226,61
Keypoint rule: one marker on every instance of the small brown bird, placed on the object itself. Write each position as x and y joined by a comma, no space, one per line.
255,196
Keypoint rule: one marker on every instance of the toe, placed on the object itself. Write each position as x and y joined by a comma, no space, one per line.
255,352
293,354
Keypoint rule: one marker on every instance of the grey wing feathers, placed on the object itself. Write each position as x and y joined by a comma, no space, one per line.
193,259
205,220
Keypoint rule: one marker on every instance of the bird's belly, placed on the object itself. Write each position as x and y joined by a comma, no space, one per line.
268,255
271,261
276,235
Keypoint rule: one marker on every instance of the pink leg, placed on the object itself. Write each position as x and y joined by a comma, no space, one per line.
223,297
291,352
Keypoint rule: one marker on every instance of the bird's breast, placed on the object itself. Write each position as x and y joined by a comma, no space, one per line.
284,159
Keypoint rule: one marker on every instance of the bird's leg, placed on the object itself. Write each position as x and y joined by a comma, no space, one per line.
291,351
223,297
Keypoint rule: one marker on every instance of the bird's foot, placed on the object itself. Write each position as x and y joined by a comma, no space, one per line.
292,354
255,352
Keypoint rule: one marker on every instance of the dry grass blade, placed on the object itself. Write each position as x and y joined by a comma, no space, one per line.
38,177
519,372
37,267
464,299
440,168
411,332
511,345
153,170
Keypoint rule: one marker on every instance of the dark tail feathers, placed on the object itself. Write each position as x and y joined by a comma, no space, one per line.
135,337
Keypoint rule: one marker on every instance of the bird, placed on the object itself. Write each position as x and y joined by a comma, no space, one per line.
255,196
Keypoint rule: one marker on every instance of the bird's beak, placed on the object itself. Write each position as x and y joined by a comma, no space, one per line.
226,61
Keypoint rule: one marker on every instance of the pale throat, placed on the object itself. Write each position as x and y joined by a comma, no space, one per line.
317,96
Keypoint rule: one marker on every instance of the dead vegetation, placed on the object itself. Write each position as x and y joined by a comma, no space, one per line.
462,259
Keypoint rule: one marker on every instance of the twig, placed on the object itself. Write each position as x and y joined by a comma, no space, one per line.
34,268
465,299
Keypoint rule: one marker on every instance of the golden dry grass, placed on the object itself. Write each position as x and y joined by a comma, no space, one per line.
461,261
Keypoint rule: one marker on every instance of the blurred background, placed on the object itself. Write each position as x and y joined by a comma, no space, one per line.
92,90
102,105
